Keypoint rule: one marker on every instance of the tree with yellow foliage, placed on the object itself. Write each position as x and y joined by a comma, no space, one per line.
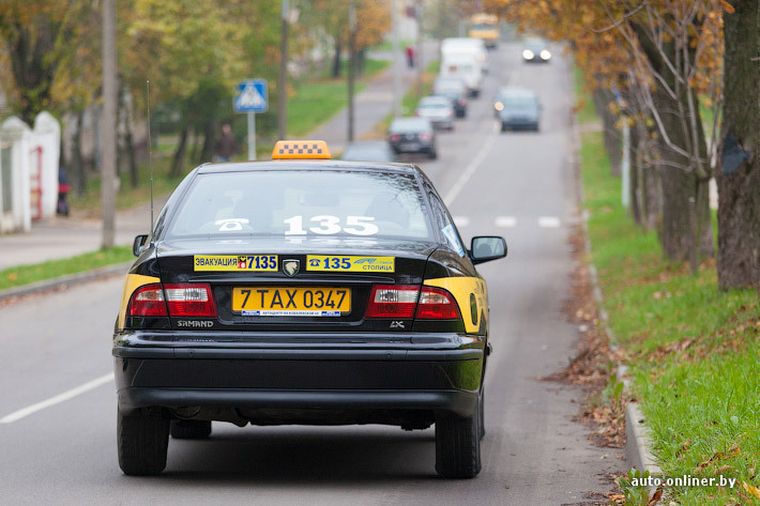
659,56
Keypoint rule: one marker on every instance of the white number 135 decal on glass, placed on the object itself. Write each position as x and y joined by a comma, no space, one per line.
325,224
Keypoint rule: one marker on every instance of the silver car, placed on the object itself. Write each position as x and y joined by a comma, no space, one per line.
438,110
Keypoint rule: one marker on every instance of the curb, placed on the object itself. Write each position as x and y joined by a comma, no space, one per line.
638,452
63,282
638,444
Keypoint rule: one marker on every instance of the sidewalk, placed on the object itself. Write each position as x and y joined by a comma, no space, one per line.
65,237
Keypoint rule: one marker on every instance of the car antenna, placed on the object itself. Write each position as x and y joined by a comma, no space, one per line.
150,153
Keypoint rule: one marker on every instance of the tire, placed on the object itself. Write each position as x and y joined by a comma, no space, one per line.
190,429
482,414
433,154
503,127
142,443
457,446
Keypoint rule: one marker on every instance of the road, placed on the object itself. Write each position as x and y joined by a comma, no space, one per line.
516,184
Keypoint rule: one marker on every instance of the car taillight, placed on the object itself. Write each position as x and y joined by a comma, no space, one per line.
148,300
188,299
395,137
192,299
436,304
425,136
407,301
461,101
392,301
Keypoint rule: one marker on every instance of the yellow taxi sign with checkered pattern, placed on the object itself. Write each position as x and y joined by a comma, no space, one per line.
304,150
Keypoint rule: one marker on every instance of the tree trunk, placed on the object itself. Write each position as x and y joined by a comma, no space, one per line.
207,151
685,210
77,159
194,146
611,135
336,67
648,193
178,161
637,208
738,175
129,145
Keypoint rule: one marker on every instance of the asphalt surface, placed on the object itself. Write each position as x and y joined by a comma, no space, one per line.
519,185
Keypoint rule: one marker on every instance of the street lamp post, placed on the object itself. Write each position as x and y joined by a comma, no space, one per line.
351,66
282,81
108,128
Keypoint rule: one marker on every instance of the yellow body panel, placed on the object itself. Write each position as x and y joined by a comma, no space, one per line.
471,295
485,35
132,283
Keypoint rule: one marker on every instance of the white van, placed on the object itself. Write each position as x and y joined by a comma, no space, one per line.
465,67
466,45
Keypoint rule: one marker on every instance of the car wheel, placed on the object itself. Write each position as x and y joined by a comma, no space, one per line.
457,446
433,154
503,127
142,443
190,429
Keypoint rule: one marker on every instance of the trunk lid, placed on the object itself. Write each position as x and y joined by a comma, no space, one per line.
315,278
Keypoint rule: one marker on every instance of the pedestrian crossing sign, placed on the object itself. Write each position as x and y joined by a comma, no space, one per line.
251,96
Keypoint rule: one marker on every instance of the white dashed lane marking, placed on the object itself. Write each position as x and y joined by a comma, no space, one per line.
511,221
62,397
548,222
505,221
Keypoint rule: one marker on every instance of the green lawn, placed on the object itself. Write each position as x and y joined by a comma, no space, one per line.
24,275
693,351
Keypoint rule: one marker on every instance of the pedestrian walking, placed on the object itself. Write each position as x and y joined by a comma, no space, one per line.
226,146
410,56
62,207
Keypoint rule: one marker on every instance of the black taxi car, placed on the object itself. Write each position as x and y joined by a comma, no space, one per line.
303,291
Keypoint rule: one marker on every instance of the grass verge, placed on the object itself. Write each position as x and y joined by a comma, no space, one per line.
27,274
693,351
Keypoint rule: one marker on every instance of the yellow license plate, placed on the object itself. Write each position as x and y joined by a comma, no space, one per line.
291,301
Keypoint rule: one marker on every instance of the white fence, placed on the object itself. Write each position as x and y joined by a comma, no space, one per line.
29,161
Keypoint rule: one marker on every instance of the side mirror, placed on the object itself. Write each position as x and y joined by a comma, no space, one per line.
138,245
485,248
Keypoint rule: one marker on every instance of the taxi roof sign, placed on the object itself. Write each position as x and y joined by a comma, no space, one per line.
304,149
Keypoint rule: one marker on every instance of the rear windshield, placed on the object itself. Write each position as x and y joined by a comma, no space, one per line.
301,203
409,124
435,104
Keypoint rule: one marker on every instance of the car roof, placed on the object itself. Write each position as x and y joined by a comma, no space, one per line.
311,165
435,99
407,121
507,91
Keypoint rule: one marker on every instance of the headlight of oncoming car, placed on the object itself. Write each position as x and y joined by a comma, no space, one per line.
527,54
545,54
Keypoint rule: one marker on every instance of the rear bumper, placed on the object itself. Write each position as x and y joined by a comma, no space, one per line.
420,148
444,375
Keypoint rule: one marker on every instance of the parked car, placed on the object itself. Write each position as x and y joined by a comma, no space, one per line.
536,50
369,151
438,110
517,109
413,135
455,90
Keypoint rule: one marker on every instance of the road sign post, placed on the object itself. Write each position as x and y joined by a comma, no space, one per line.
252,97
